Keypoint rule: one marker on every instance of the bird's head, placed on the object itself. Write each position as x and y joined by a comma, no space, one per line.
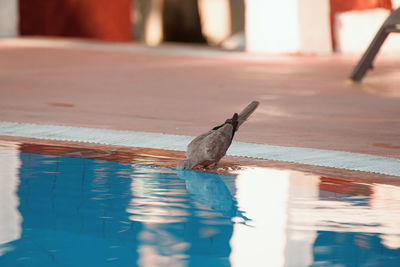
184,165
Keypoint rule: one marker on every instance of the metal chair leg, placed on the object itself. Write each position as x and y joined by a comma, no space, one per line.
365,62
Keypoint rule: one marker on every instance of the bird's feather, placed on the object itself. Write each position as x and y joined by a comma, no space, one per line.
210,147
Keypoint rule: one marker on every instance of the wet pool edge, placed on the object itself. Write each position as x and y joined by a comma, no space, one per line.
169,159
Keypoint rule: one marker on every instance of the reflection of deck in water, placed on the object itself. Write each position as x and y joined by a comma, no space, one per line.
82,211
102,211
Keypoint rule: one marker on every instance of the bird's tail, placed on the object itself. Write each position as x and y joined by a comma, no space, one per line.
246,112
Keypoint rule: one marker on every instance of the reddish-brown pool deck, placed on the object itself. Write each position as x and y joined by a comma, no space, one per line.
305,101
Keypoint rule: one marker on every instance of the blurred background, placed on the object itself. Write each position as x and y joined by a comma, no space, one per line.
270,26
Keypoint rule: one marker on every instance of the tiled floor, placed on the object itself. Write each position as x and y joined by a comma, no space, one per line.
306,101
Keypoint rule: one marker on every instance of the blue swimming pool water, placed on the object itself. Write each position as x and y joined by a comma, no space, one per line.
64,211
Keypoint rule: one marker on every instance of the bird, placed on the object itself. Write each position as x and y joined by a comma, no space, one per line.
208,148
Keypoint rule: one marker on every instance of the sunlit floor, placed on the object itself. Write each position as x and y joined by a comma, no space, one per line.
74,211
305,100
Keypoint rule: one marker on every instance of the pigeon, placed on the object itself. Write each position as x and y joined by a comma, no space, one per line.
207,149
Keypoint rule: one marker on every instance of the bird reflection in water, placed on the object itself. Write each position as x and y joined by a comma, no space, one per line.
211,191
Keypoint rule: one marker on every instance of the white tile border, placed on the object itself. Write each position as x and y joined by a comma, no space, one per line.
309,156
9,17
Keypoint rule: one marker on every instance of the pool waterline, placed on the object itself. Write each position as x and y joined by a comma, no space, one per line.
109,212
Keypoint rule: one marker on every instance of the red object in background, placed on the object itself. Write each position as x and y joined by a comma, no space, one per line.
99,19
347,5
344,186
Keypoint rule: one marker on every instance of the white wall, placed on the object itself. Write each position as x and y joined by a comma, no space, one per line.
288,26
272,26
153,29
8,18
215,20
365,24
396,3
314,22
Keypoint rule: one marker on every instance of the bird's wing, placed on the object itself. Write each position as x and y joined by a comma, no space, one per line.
195,143
213,146
218,142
